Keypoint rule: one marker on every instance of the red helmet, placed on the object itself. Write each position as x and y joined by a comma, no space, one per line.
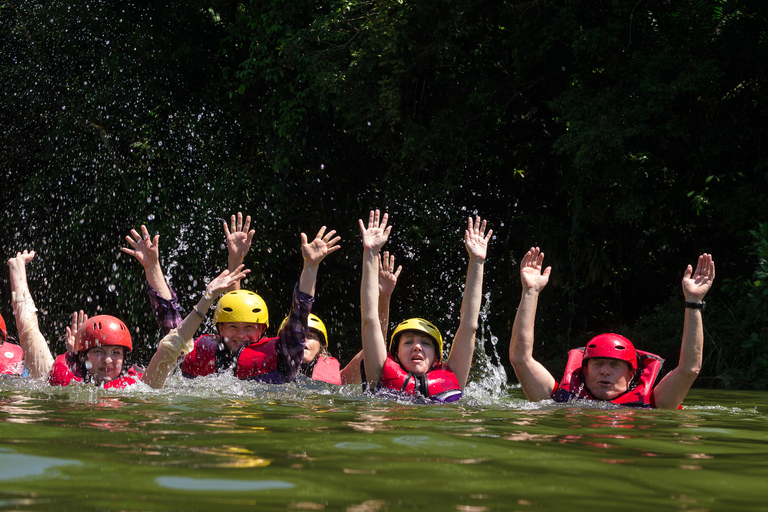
3,330
102,330
612,346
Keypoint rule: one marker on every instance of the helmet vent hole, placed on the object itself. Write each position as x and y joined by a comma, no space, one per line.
228,310
256,310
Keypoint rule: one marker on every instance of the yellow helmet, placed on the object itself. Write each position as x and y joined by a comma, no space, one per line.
241,306
314,323
420,325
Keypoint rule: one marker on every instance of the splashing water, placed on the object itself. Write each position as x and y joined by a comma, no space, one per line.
488,379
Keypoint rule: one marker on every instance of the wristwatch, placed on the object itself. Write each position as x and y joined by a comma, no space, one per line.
696,305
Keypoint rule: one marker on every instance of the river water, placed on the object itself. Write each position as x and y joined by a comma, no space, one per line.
217,443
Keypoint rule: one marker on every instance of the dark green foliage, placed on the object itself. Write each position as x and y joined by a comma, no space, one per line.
624,138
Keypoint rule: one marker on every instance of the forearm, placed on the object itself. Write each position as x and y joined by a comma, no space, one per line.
308,279
521,343
473,297
156,280
167,312
692,346
37,354
234,261
384,314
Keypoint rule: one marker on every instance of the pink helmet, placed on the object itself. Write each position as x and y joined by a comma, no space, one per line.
612,346
3,330
102,330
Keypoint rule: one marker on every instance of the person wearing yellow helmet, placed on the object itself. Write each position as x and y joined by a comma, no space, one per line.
317,362
100,344
413,363
609,368
241,316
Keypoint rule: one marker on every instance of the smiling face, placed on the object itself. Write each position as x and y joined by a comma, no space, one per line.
607,378
313,345
416,352
238,334
105,363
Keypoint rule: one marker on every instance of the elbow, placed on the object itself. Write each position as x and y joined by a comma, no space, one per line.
517,360
691,373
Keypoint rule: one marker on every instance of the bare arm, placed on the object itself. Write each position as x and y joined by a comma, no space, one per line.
37,354
463,347
671,391
177,340
536,381
374,346
147,251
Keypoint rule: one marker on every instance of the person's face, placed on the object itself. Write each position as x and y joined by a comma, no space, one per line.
238,334
607,378
416,352
105,363
312,345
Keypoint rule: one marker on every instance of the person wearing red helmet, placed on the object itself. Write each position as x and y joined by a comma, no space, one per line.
609,368
101,343
11,355
414,363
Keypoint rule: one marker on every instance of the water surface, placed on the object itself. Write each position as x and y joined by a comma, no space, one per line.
218,442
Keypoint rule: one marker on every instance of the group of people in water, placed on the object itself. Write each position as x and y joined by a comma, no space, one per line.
411,364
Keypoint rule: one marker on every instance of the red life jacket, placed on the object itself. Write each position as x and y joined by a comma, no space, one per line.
201,360
439,384
259,360
11,359
327,369
572,387
66,368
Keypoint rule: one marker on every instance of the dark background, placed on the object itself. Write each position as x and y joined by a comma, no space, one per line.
624,138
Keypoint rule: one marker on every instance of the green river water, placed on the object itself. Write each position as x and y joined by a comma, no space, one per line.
219,444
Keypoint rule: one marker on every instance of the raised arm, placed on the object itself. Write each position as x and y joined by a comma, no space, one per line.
387,282
178,340
536,380
671,391
37,354
147,251
314,252
239,238
374,346
78,319
463,347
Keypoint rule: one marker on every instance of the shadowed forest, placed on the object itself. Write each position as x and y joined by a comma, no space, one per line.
623,138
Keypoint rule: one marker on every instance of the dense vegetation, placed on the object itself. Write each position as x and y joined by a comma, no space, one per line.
624,138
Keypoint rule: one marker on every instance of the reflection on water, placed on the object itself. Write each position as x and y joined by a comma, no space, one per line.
211,484
199,445
15,465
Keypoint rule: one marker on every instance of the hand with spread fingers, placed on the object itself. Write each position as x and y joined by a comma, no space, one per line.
78,319
239,238
387,274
